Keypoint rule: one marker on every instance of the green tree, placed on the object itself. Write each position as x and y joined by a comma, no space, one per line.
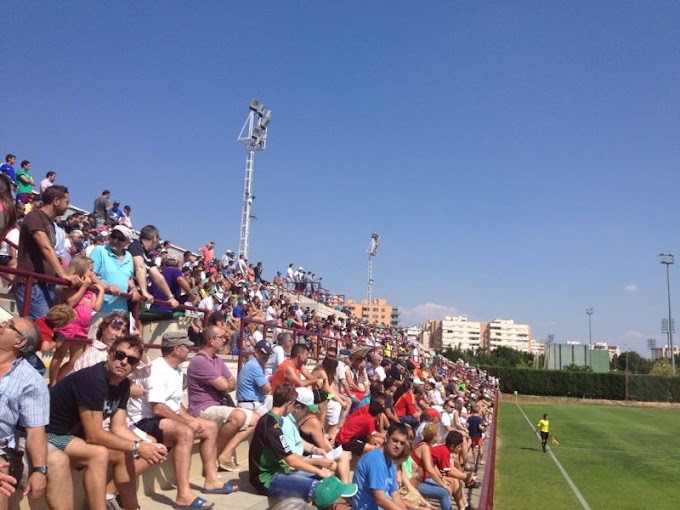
636,363
661,367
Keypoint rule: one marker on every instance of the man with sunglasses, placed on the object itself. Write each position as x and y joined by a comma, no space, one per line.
79,405
26,407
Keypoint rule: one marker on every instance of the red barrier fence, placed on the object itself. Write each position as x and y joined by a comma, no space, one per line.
486,498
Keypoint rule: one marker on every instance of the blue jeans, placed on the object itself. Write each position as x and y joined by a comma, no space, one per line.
431,489
410,420
41,300
292,485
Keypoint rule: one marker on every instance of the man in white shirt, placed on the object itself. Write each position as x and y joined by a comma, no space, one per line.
283,343
160,413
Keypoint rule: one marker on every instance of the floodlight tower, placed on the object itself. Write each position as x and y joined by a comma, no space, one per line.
589,312
668,259
372,252
254,136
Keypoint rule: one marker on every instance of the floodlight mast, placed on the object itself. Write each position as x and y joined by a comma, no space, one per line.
372,252
254,136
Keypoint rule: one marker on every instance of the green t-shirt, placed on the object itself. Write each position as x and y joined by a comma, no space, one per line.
267,451
21,186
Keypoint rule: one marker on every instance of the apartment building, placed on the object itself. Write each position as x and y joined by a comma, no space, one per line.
505,333
378,311
460,333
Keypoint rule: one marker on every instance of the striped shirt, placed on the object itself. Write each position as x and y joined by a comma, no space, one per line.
24,400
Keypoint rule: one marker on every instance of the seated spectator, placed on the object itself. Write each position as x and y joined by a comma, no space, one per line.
112,327
79,405
433,484
209,380
177,284
161,414
252,386
359,433
404,405
271,461
280,350
25,401
291,369
338,405
302,442
115,214
376,474
453,475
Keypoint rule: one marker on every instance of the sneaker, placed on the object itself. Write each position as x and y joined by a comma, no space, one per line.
112,504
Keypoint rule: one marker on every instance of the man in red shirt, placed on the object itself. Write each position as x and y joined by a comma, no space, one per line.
441,458
358,434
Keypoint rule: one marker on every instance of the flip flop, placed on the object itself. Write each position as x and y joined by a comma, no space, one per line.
227,488
196,503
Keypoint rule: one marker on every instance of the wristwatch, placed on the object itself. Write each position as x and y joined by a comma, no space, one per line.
135,449
39,469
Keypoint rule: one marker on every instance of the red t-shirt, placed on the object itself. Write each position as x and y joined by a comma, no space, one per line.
441,456
356,427
405,405
360,411
279,376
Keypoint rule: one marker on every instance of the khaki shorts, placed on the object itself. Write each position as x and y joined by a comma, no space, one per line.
220,415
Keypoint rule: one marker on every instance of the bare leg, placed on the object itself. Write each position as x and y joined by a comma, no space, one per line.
75,351
124,478
343,467
181,438
55,362
59,492
95,459
227,432
208,452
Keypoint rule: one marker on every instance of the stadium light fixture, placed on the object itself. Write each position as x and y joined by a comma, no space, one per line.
669,259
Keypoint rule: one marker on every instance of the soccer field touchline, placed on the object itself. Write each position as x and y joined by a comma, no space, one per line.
578,494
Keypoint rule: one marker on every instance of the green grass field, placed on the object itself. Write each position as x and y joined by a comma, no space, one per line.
617,457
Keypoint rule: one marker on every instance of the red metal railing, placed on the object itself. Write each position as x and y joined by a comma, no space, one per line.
486,498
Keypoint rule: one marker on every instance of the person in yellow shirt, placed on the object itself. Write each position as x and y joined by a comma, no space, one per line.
544,428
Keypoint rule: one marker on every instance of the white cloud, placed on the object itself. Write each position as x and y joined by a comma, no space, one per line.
633,334
631,288
422,313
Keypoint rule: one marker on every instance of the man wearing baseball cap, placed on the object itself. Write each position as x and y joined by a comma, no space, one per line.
160,412
252,385
209,381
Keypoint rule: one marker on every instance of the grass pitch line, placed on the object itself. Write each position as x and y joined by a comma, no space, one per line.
566,476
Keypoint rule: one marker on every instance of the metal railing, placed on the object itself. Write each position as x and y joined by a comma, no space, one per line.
486,498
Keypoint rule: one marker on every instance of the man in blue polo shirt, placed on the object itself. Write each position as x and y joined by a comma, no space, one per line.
251,384
8,168
376,475
113,265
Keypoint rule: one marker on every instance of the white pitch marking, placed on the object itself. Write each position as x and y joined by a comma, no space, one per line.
578,494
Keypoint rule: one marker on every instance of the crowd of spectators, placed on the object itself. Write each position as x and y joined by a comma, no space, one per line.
315,395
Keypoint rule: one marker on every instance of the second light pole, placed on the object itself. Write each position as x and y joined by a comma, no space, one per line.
590,311
668,259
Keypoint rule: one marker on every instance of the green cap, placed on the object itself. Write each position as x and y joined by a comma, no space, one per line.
331,489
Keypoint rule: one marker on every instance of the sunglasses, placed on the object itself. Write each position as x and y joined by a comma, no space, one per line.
11,326
117,324
117,237
120,356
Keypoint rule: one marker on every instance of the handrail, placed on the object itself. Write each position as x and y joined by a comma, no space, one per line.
486,497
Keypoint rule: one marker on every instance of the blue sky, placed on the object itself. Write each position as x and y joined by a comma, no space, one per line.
518,159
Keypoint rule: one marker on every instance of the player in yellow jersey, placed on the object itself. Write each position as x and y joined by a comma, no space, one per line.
544,428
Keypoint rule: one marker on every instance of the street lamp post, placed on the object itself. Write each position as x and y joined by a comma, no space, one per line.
668,259
590,311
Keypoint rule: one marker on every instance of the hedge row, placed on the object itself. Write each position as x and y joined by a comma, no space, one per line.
610,386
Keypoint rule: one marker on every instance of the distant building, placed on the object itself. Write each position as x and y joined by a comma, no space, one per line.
664,352
459,333
505,333
431,336
378,311
414,334
614,350
396,315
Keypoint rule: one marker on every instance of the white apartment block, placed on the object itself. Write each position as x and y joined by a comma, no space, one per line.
458,332
505,333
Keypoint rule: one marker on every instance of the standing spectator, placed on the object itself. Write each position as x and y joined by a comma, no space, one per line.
26,402
115,214
243,265
8,169
113,265
160,412
376,474
79,405
209,380
208,251
142,255
37,241
476,429
252,385
101,208
25,183
258,272
48,181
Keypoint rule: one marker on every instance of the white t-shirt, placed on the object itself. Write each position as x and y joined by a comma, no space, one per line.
380,372
277,357
164,385
271,314
207,302
13,236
